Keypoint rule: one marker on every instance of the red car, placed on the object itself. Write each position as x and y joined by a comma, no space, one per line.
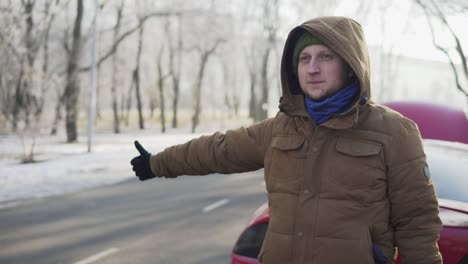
448,162
435,121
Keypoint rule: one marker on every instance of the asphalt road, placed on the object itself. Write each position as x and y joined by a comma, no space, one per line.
184,220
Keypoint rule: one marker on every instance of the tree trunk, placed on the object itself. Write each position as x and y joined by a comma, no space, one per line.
129,99
31,51
72,88
175,101
161,78
19,98
198,87
45,65
253,97
136,76
115,102
30,45
58,115
201,73
161,97
176,74
265,93
23,85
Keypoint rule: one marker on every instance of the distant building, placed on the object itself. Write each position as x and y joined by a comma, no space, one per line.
410,79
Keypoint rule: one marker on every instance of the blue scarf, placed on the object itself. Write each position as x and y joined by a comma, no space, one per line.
338,103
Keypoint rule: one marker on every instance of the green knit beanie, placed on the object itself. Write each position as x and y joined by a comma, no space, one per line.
305,40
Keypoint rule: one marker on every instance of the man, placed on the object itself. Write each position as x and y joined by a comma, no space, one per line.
347,179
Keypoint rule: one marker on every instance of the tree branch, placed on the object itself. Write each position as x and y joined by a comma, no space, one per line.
445,51
11,47
128,33
459,48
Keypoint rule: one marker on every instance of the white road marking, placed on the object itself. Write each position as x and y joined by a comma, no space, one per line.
215,205
9,204
98,256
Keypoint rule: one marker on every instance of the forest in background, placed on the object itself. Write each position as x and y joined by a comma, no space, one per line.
165,64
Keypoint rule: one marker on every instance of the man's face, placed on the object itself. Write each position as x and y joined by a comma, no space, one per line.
321,72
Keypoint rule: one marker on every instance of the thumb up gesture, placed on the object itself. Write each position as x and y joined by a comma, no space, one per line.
141,163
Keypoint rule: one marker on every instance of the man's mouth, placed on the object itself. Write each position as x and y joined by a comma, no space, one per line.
316,82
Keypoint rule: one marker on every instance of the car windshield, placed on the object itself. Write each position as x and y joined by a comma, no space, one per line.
448,165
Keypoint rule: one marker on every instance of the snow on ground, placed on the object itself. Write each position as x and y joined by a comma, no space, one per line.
63,167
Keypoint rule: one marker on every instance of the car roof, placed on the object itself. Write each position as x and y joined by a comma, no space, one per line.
435,121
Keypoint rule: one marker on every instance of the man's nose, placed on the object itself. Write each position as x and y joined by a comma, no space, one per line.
313,66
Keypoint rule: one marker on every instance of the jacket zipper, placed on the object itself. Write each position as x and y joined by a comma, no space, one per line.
317,200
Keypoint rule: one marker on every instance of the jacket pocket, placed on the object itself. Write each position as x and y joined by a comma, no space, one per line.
287,143
358,163
285,158
357,148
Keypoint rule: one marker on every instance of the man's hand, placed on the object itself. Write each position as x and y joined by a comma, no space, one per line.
141,164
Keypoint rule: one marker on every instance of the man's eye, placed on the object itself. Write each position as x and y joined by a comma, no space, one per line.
326,56
304,59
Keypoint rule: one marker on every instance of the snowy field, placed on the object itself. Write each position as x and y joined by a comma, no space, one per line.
63,168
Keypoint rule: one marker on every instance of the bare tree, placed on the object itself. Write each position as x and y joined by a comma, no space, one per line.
136,77
436,12
127,106
231,91
205,54
253,51
72,87
160,84
27,98
36,36
270,27
46,79
141,21
115,71
31,52
253,98
175,69
162,77
58,111
23,94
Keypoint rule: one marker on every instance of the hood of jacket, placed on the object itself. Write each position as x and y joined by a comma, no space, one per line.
345,37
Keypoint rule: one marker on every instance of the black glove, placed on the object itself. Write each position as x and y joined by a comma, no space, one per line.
141,164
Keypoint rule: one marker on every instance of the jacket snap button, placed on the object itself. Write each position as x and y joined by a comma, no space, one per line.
314,149
306,191
299,234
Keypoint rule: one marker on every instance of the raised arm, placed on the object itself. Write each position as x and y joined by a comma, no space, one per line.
235,151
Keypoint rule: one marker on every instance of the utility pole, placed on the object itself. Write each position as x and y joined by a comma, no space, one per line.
92,81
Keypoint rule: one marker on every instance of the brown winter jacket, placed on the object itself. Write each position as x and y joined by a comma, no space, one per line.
335,191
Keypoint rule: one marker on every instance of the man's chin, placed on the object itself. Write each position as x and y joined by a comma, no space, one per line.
317,98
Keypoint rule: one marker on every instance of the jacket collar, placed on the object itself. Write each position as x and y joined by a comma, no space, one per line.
343,122
346,120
